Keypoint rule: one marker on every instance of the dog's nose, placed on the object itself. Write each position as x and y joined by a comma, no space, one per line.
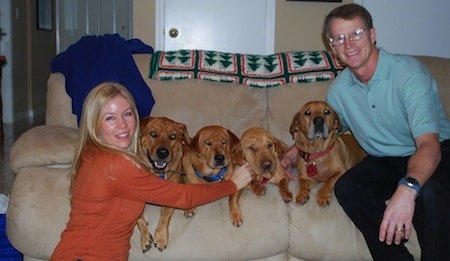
266,165
219,158
318,121
162,153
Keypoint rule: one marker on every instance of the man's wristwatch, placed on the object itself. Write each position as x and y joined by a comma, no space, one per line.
410,182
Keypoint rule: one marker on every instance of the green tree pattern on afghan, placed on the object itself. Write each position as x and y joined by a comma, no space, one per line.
183,56
210,57
299,58
316,57
225,59
254,62
271,64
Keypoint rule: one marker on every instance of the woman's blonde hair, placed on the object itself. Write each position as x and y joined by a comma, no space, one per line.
91,119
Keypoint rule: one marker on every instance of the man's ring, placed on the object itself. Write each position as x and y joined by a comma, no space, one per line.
399,229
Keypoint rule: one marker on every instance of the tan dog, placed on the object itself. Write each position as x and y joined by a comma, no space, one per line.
263,151
324,156
162,145
211,159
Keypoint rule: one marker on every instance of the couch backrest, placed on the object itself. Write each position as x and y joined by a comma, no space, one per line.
198,103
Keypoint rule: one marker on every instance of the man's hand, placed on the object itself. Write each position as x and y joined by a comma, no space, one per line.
397,219
288,160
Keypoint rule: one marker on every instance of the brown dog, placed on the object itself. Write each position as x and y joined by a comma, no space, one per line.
211,159
263,151
162,145
324,155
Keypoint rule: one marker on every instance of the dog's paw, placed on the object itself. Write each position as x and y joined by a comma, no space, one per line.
190,213
258,189
161,239
287,196
302,198
237,219
323,198
146,242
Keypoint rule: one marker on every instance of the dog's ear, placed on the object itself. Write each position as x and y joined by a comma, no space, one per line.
235,145
234,140
143,122
280,147
193,144
185,136
337,123
238,155
294,125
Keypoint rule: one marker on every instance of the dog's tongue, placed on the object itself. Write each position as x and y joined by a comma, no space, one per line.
160,164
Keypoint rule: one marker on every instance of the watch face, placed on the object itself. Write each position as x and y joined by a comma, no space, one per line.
411,180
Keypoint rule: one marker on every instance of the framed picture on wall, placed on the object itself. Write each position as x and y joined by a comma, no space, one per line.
44,15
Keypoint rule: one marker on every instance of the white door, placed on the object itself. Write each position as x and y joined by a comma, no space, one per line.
78,18
242,26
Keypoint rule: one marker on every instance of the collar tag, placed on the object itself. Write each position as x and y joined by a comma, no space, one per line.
311,168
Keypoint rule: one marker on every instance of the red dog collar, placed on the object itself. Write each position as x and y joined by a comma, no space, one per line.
309,158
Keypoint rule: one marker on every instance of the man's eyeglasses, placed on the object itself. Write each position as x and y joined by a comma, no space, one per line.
354,35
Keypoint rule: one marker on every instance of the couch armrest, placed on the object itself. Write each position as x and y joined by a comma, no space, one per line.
44,146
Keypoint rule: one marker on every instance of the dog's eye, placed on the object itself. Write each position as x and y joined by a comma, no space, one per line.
307,112
326,111
207,142
152,134
224,141
173,136
270,145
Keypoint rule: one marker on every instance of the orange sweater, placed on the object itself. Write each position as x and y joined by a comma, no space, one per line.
108,197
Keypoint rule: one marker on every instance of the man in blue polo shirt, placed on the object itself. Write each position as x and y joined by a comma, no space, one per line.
391,105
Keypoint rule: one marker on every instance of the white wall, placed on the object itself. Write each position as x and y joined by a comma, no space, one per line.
418,27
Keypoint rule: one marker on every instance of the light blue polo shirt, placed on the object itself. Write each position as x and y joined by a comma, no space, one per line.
399,103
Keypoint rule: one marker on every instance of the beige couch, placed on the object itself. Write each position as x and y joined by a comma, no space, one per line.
272,230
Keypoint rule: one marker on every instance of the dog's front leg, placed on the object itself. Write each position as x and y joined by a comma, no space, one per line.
235,211
324,193
284,190
146,237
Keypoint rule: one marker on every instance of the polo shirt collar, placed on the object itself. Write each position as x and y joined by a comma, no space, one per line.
381,72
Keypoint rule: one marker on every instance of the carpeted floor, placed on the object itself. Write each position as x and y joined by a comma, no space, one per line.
7,251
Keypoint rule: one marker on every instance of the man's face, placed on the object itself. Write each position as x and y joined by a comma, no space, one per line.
354,53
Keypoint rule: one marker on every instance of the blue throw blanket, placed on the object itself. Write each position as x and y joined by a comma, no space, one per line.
95,59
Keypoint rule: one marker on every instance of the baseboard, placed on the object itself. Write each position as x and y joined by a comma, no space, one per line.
26,114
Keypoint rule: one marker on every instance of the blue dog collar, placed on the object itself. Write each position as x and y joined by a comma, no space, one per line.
217,177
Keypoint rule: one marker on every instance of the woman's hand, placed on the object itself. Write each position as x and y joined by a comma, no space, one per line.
242,175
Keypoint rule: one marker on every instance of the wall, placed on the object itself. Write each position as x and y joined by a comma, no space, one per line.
298,25
407,26
31,55
412,26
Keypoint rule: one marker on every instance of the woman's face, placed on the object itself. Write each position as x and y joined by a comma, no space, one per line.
117,122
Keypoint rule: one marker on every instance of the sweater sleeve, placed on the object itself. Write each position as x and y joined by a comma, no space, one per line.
132,182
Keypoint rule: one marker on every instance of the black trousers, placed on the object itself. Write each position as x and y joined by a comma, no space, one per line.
362,193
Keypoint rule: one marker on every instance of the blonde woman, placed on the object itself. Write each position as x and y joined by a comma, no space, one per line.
110,185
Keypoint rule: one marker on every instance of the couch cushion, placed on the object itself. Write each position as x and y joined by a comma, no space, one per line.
326,233
234,106
209,235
